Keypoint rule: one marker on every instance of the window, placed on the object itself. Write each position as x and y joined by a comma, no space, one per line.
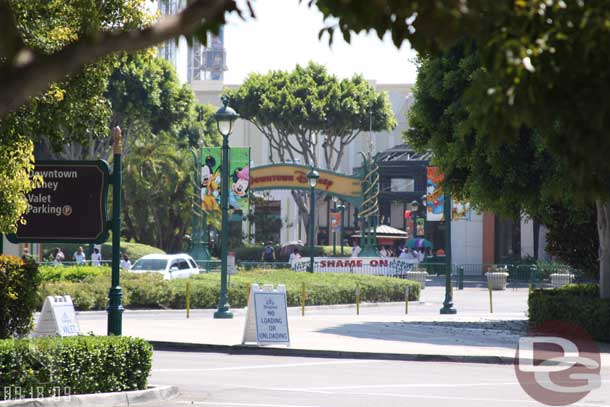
183,265
402,185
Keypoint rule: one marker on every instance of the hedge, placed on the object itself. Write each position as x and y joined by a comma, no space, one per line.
76,365
19,283
579,303
149,290
254,252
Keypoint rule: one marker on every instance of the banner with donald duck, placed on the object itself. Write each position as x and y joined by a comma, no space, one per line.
435,199
239,178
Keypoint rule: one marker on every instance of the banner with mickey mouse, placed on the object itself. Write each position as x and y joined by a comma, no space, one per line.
239,173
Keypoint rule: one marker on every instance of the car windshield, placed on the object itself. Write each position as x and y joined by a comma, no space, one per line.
149,264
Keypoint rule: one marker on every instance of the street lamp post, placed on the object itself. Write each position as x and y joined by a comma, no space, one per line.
225,116
312,177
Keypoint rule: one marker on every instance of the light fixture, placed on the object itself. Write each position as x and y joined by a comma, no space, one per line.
225,116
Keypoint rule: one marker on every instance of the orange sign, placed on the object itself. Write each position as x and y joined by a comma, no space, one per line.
287,176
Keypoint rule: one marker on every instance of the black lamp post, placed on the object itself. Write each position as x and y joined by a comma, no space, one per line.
312,178
225,116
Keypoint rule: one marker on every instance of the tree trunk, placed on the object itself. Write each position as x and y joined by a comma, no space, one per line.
603,228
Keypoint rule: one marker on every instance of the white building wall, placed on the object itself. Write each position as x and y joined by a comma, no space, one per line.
527,237
467,240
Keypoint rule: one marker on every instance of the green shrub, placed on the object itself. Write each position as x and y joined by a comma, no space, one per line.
71,273
75,365
579,303
149,290
19,282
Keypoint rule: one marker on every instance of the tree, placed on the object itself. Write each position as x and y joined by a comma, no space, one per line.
299,110
70,111
161,122
509,179
544,67
89,30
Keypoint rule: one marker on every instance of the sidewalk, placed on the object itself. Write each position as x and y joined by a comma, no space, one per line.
472,335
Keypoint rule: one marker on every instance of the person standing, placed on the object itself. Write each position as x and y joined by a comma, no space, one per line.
383,252
125,263
96,257
58,257
294,257
355,249
80,257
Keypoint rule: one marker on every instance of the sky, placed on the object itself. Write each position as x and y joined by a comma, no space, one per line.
285,33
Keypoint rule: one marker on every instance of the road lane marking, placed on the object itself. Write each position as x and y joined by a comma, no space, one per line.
270,366
228,403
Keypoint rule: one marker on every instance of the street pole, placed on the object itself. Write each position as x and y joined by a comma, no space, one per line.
448,303
342,209
312,178
223,305
200,246
225,116
312,217
115,295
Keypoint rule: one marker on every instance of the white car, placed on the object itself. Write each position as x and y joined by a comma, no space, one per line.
171,266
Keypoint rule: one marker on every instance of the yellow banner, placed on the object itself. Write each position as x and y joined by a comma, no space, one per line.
286,176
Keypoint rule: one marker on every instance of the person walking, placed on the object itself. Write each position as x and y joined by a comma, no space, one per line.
96,257
268,254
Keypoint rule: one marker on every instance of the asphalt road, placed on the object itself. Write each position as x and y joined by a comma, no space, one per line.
208,379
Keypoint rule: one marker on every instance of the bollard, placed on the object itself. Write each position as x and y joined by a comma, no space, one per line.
461,278
303,298
406,300
357,299
533,276
188,299
491,305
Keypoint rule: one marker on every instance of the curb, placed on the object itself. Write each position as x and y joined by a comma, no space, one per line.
331,354
117,399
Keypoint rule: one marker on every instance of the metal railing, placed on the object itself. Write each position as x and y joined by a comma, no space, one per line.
74,263
208,266
253,265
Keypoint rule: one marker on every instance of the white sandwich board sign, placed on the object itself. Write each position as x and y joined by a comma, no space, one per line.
57,318
267,316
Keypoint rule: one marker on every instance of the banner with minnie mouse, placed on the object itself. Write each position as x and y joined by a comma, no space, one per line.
239,173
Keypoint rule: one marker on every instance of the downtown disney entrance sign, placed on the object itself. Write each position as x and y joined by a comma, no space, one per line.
292,176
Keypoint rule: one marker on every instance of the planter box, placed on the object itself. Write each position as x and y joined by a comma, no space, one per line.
417,276
497,279
561,279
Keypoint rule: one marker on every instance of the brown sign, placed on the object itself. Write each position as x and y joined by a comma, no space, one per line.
70,206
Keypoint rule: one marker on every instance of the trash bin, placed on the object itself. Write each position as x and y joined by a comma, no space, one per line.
497,279
561,279
418,276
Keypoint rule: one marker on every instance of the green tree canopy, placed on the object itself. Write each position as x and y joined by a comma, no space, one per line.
42,42
511,179
544,67
299,111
